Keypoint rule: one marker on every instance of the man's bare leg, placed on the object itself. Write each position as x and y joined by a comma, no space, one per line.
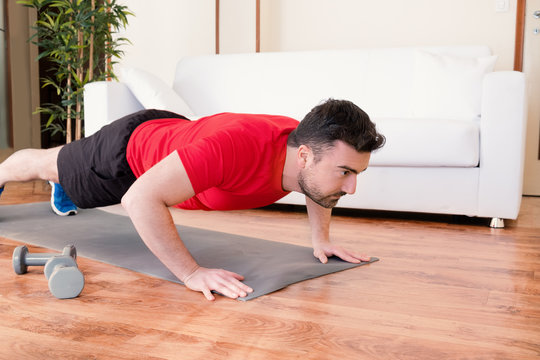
30,164
38,164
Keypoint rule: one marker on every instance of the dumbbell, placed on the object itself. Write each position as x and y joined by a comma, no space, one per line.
66,281
22,258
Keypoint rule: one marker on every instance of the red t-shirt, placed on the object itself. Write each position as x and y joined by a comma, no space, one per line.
234,161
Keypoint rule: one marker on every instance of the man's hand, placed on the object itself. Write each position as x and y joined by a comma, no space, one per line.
326,249
225,282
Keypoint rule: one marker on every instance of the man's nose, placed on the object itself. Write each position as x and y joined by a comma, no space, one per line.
349,186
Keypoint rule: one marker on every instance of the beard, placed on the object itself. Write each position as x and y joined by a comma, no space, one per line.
315,194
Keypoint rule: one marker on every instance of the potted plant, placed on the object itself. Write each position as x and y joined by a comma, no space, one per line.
77,38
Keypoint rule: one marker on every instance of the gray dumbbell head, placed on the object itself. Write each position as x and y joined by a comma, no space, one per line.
58,261
19,264
66,282
69,250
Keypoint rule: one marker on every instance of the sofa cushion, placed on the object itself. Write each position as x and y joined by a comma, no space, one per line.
154,93
449,87
425,143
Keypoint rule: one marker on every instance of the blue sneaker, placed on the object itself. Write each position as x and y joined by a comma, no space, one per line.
60,202
1,190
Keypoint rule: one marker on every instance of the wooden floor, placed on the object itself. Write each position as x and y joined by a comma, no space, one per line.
447,289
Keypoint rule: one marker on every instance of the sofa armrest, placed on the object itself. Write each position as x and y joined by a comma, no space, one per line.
106,101
502,144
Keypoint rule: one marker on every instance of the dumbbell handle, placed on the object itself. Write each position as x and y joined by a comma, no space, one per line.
38,259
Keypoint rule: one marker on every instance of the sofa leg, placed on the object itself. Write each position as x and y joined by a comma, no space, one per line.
497,223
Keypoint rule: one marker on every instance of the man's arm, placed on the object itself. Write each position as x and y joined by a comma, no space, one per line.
147,202
319,219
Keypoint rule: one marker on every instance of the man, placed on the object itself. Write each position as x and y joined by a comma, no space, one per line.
153,159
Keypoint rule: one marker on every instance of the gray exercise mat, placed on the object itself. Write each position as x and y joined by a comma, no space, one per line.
266,265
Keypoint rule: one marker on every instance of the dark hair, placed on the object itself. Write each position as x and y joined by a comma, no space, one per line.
336,120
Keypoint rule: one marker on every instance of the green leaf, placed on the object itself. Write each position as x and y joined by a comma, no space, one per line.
56,34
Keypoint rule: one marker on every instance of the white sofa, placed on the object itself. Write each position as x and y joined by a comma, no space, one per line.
454,128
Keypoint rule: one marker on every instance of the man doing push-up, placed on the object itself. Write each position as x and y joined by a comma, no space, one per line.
154,159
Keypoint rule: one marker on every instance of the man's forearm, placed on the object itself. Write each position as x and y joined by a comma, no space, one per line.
154,224
319,220
147,201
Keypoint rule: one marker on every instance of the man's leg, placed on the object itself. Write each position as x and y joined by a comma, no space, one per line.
38,164
30,164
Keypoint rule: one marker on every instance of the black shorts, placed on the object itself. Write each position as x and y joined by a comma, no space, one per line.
94,171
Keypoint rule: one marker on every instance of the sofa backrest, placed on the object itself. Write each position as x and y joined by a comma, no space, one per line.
380,81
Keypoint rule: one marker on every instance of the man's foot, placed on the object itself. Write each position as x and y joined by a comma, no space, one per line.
1,189
60,202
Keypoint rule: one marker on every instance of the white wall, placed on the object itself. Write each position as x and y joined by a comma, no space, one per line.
163,31
322,24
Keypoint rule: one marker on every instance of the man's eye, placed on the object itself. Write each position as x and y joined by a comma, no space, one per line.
345,172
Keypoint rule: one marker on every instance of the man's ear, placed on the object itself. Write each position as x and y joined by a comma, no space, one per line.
303,155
